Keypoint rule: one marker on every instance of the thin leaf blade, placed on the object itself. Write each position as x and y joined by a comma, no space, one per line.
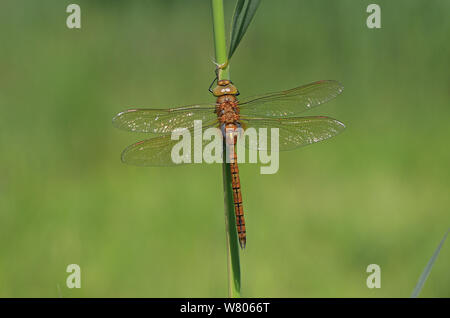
427,270
243,15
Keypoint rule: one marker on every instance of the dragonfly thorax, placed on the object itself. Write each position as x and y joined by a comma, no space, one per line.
227,109
224,99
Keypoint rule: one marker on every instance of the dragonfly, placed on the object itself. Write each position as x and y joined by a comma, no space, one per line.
279,110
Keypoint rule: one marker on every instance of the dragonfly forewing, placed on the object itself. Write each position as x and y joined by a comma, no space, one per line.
164,121
291,102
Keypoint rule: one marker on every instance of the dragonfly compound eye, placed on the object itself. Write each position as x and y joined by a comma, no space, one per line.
223,82
228,89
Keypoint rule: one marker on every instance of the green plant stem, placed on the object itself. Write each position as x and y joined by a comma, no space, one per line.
233,264
220,43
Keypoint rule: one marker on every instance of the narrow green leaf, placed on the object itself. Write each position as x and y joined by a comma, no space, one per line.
243,15
427,269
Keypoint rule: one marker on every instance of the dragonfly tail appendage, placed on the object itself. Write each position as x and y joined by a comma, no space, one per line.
237,198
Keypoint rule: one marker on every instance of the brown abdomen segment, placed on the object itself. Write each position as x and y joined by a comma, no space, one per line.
237,198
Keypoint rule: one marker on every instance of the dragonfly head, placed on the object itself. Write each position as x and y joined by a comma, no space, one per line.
225,87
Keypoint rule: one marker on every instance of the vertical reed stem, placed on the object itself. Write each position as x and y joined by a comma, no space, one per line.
233,264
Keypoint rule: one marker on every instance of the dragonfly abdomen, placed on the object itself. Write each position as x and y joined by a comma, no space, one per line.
237,198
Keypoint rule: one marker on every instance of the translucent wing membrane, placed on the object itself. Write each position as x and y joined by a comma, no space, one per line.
158,151
291,102
273,110
164,121
293,132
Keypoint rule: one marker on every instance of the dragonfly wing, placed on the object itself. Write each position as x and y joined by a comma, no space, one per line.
291,102
160,151
293,132
164,121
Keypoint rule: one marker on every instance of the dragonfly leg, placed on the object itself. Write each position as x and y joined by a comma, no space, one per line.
218,68
212,83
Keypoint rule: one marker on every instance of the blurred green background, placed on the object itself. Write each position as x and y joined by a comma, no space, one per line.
378,193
